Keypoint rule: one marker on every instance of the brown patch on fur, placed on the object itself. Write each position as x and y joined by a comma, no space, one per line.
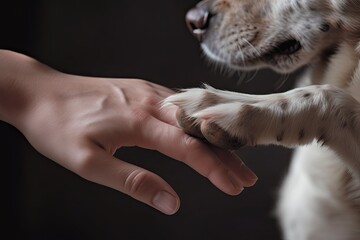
247,113
353,119
280,137
307,95
346,178
338,112
220,6
328,53
219,137
209,99
301,134
322,138
188,124
284,104
350,193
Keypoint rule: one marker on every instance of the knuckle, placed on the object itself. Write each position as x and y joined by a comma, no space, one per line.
151,100
215,168
134,181
139,117
195,145
191,145
139,81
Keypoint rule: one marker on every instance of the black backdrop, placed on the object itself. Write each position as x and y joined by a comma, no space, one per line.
139,39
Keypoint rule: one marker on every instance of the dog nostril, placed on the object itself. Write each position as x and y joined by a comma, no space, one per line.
197,20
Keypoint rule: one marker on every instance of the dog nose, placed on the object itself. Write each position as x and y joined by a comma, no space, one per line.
197,20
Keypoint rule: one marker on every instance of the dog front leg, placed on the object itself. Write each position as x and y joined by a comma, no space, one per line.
230,120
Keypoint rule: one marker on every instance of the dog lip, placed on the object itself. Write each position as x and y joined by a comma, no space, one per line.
283,48
269,55
287,47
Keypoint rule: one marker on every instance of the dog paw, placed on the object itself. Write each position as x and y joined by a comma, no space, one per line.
215,116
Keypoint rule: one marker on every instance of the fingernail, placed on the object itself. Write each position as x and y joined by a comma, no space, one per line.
249,175
235,182
165,202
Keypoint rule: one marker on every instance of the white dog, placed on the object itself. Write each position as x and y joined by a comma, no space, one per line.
320,198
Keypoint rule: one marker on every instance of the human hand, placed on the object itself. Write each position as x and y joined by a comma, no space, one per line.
80,122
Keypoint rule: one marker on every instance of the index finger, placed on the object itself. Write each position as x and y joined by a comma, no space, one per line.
173,142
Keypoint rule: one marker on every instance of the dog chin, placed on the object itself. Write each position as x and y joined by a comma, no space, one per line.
238,65
230,64
211,55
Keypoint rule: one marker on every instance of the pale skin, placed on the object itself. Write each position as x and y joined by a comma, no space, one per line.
79,122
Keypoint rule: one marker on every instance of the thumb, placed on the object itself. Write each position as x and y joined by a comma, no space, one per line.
132,180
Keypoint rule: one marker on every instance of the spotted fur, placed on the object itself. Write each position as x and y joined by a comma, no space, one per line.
320,197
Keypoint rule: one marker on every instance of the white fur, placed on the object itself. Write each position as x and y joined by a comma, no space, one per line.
320,197
310,204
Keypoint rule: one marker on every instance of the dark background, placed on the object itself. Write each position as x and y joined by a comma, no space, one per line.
139,39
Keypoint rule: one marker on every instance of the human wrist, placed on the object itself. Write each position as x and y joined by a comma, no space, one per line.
21,78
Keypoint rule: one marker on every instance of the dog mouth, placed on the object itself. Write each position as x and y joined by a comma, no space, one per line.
287,47
278,52
275,53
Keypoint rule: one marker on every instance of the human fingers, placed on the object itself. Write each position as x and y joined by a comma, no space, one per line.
139,85
174,143
161,88
244,174
166,114
102,168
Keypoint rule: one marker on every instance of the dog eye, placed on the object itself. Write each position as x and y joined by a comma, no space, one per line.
288,47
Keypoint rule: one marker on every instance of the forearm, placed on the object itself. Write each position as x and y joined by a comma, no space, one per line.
21,81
